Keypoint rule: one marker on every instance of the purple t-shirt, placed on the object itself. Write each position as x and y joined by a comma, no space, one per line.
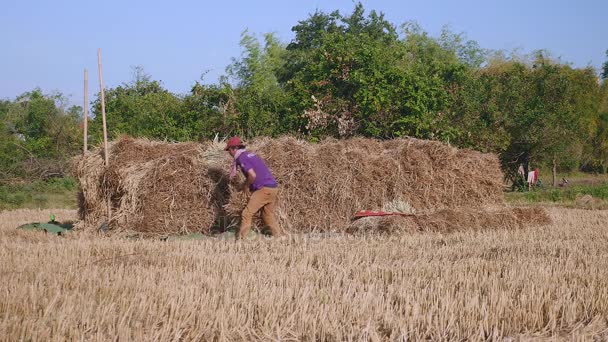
249,160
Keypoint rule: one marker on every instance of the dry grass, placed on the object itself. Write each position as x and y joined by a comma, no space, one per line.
451,220
547,282
11,219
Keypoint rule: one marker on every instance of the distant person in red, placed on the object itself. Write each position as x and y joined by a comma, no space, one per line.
259,182
532,178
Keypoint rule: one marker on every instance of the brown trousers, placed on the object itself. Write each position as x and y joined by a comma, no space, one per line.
265,199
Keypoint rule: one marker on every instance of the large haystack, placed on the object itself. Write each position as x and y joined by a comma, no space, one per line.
169,188
322,185
155,187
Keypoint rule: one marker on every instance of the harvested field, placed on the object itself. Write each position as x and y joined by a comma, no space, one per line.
14,218
544,282
177,188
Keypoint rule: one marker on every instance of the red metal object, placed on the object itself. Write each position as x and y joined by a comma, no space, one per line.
368,213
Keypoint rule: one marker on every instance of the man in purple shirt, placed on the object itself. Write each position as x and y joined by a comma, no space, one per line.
259,182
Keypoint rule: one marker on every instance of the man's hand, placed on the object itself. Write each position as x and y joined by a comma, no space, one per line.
244,187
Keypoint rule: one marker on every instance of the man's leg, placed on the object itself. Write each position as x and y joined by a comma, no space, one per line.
268,212
256,201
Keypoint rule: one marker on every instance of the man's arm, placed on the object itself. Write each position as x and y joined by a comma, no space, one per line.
250,179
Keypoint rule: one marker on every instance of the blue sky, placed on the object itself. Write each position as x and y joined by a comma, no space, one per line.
47,44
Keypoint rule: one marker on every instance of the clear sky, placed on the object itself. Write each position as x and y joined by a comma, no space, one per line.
47,44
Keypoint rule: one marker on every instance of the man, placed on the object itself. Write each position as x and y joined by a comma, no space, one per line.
259,182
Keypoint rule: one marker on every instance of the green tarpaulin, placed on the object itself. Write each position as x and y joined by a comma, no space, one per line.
53,228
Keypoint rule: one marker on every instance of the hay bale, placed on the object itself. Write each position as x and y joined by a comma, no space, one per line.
384,225
589,202
532,216
89,170
322,185
156,187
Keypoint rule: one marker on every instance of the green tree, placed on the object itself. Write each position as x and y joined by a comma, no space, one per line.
39,134
258,101
353,74
467,51
539,113
210,109
142,108
596,152
566,99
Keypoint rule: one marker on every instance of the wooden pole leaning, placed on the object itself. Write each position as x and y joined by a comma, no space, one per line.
105,130
85,115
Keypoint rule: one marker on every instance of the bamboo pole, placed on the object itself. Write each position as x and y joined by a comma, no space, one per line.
86,112
105,130
103,108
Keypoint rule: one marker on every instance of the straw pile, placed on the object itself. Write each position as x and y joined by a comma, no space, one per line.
451,220
323,185
155,187
166,188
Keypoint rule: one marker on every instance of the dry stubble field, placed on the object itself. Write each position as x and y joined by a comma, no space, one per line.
548,282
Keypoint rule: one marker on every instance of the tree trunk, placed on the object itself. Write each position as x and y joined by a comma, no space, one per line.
554,172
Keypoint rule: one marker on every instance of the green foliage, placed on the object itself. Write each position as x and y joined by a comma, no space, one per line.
528,112
596,151
258,101
353,75
55,193
209,109
141,108
37,136
560,195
